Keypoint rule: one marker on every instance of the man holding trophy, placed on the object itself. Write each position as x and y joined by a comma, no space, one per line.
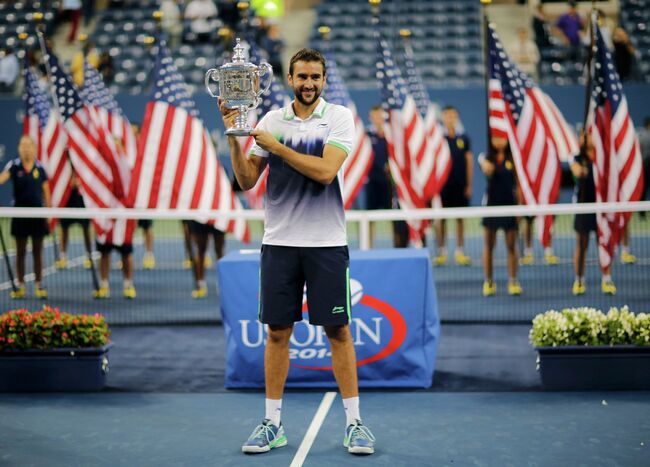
304,145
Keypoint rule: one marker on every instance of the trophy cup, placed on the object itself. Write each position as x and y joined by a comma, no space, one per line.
239,87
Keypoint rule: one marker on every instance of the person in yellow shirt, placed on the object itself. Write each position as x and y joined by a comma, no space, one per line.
77,66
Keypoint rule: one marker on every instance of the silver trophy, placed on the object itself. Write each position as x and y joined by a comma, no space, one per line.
239,87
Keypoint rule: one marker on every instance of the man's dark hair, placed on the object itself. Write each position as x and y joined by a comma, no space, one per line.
307,55
376,107
449,107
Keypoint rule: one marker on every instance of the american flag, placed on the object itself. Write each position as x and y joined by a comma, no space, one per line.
434,165
618,169
405,134
275,98
93,155
95,93
177,166
45,128
358,163
539,136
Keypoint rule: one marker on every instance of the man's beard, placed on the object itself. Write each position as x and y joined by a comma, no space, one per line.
302,100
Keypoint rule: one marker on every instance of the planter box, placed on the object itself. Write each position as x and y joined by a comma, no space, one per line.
594,367
80,369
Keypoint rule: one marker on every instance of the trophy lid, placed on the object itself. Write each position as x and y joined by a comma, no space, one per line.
238,58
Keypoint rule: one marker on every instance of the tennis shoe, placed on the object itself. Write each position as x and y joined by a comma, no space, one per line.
200,292
627,258
608,287
40,292
514,288
87,263
207,262
148,262
20,292
359,439
551,259
61,263
579,288
462,259
102,292
129,292
489,288
265,436
527,259
440,260
187,264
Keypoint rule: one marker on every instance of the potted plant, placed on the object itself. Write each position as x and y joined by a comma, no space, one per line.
53,351
584,348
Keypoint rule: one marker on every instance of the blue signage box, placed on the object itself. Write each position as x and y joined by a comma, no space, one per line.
395,324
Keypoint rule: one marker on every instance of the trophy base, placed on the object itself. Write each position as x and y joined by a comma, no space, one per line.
239,132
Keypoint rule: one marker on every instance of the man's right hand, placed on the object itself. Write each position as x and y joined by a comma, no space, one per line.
228,115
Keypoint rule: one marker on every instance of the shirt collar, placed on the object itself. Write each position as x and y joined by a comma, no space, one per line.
319,111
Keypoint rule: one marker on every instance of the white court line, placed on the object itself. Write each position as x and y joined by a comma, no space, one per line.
313,429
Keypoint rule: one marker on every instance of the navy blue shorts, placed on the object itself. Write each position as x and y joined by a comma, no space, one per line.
285,270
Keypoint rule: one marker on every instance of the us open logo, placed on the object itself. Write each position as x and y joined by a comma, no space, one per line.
377,328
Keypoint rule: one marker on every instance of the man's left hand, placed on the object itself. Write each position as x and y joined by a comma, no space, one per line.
265,140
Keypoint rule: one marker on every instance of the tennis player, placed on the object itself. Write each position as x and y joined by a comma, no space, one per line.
304,144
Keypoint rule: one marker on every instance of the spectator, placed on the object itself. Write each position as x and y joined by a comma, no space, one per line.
501,190
72,9
229,13
540,28
105,67
9,69
379,190
624,57
458,188
525,54
89,53
171,21
202,13
274,45
571,25
200,235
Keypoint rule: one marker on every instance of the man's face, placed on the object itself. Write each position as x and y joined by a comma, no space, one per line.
450,118
307,81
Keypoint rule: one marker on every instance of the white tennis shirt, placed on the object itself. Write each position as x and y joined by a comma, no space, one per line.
300,211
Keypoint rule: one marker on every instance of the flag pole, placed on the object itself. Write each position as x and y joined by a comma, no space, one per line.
590,58
486,74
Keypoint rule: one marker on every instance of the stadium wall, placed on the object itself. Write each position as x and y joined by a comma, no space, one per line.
470,102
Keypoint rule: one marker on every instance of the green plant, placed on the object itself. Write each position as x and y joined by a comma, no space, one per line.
50,329
588,326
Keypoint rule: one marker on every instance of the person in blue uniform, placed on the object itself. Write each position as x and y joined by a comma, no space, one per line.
30,190
501,190
582,168
74,201
457,190
379,187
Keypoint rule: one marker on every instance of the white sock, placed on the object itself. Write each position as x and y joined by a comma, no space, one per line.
459,251
351,406
607,278
128,283
625,249
442,251
580,279
62,255
274,410
201,284
548,251
103,284
528,251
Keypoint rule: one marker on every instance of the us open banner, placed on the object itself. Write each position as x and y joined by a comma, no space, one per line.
395,324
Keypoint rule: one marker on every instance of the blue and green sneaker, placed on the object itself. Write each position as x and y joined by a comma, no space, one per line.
359,439
265,437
